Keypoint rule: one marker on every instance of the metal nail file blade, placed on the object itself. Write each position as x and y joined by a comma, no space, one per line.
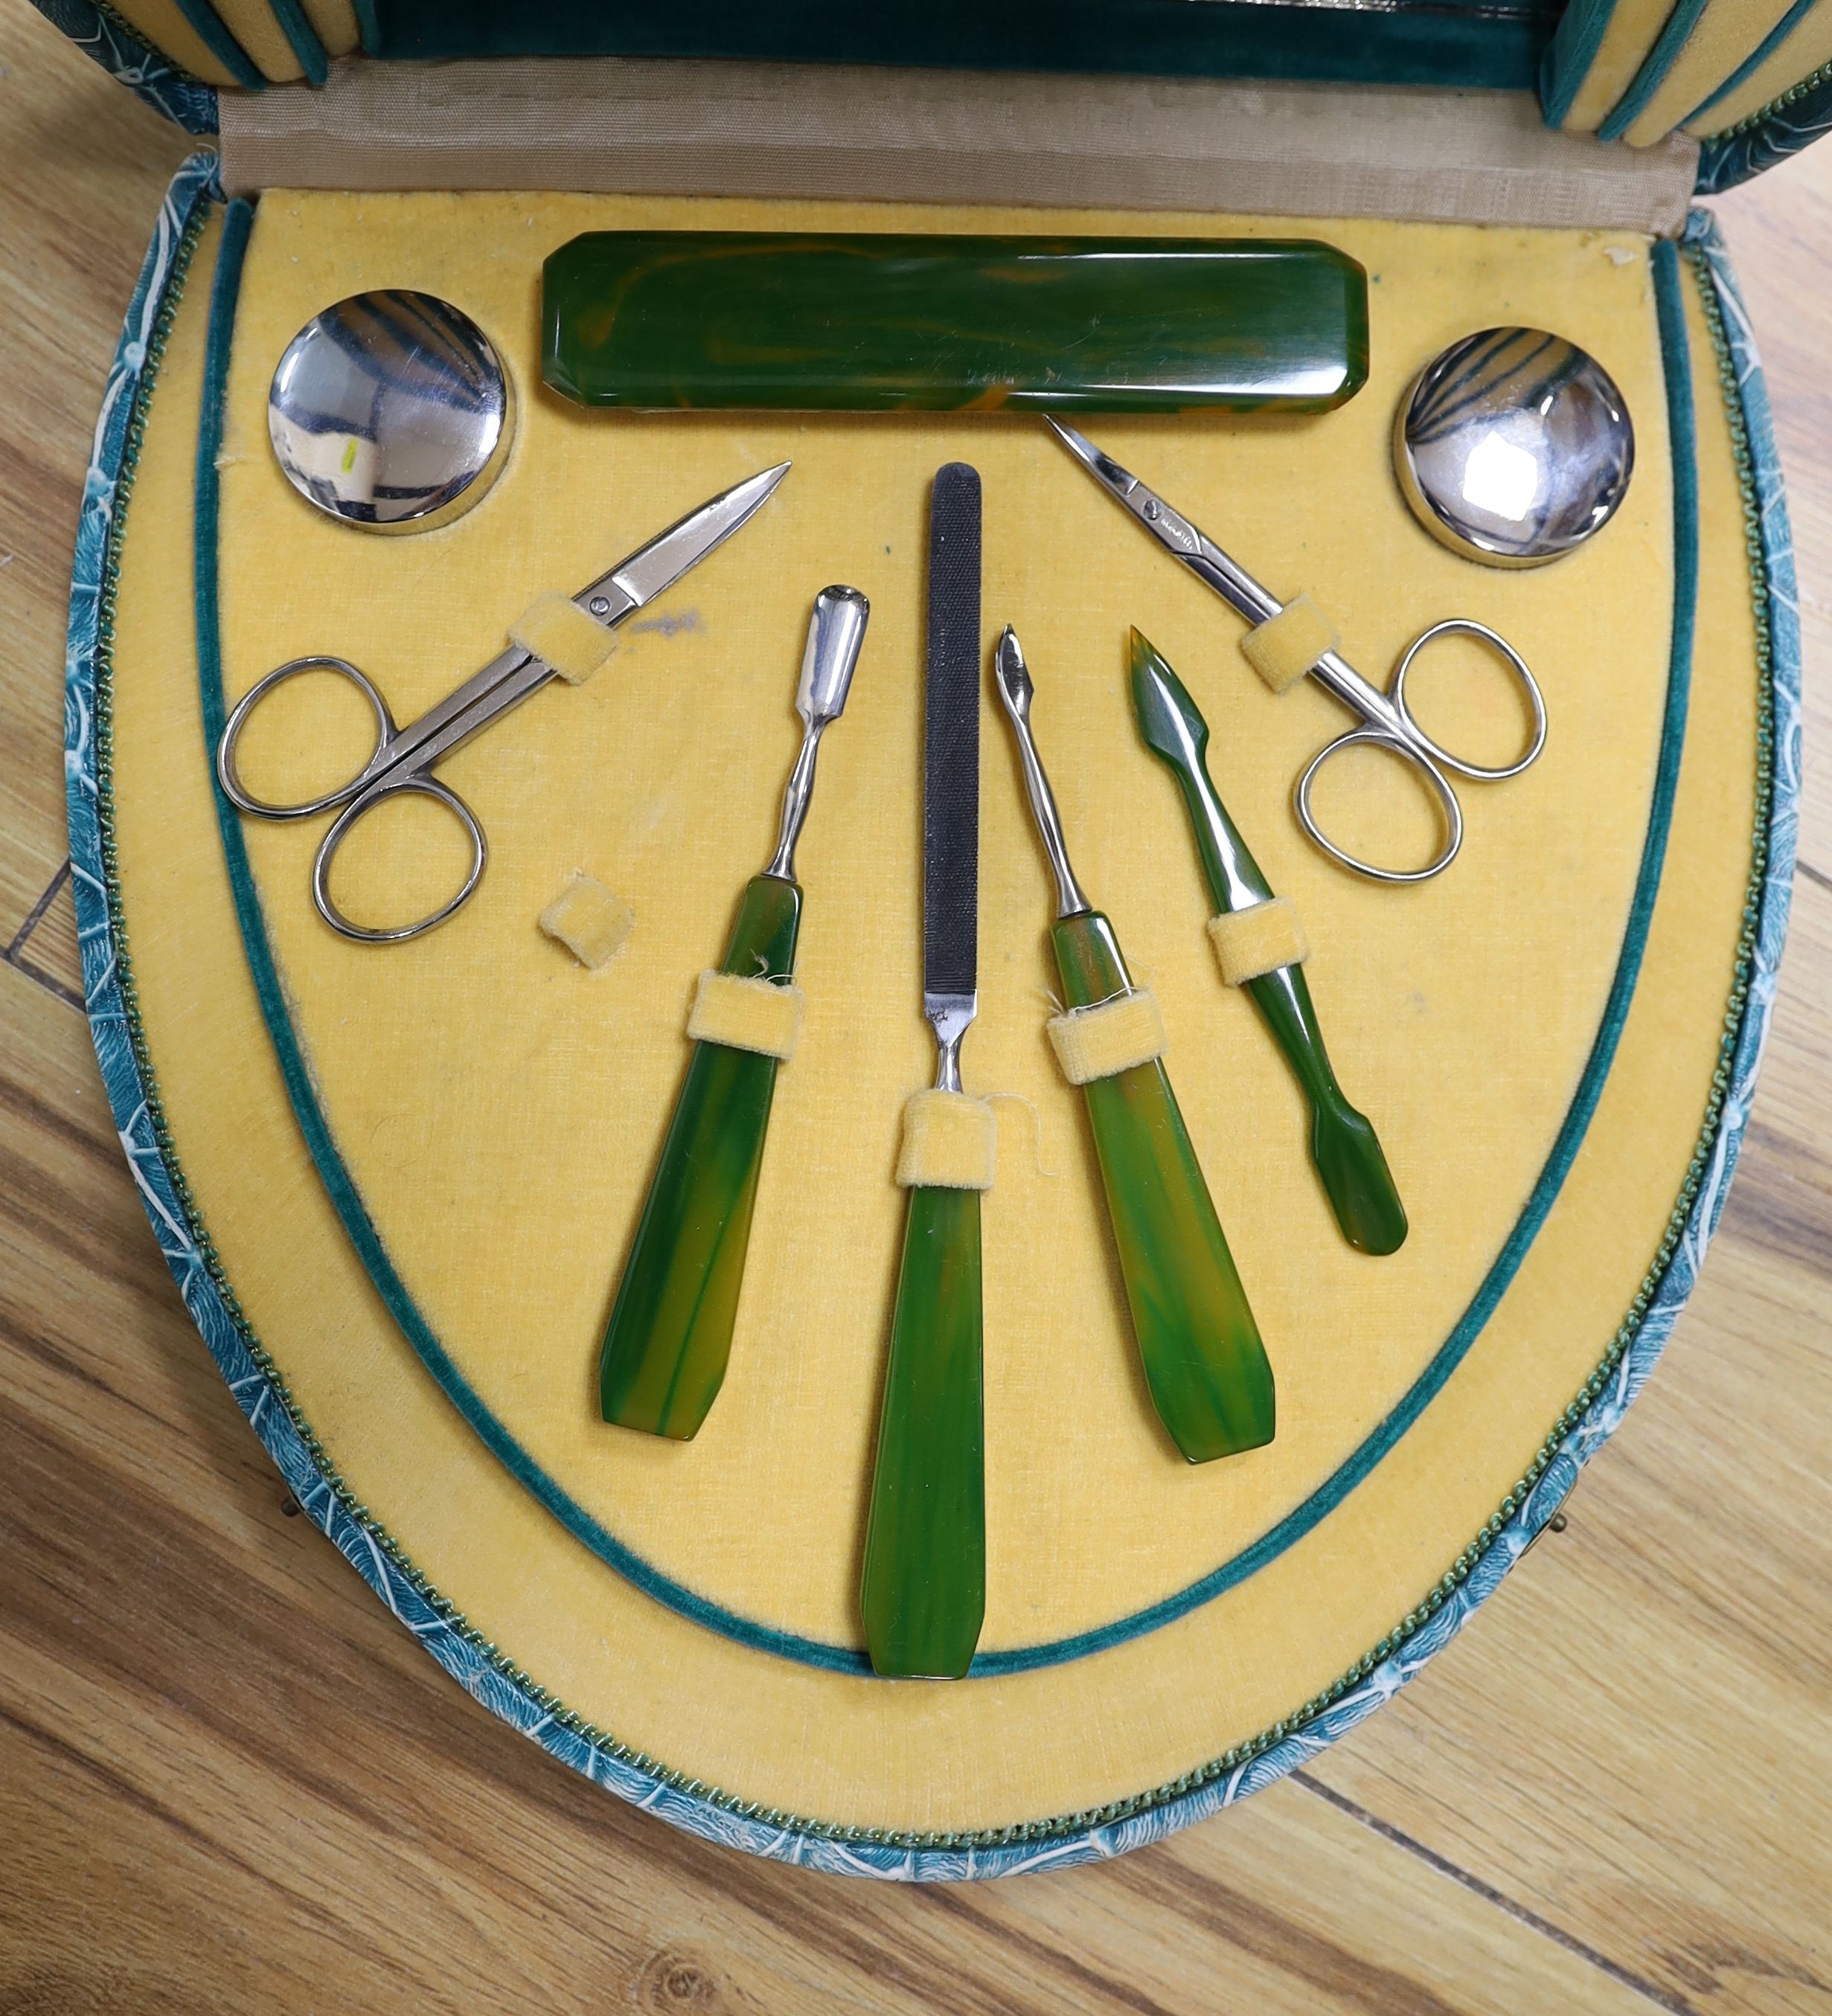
923,1592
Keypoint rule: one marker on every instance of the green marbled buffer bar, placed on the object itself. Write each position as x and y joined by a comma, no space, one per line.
882,322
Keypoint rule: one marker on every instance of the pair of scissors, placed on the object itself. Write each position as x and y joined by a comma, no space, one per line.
403,758
1387,722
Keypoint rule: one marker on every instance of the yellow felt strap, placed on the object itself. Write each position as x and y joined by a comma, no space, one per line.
948,1143
1110,1037
747,1014
588,920
555,629
1283,648
1259,939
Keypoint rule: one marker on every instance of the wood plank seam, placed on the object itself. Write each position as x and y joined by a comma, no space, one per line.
14,954
1650,1991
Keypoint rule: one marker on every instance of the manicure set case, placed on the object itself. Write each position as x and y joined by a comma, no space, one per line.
395,1184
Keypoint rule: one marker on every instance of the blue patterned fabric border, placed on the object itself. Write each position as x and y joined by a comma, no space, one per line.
479,1667
1795,121
101,34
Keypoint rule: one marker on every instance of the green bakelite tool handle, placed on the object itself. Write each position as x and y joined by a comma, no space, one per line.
1204,1363
1344,1145
884,322
923,1594
669,1337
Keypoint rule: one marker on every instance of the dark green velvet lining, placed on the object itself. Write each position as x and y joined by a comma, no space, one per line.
1494,44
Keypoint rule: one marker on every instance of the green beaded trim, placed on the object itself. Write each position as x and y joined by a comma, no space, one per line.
1793,94
1241,1753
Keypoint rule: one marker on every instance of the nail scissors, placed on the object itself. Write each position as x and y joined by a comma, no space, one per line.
403,758
1386,720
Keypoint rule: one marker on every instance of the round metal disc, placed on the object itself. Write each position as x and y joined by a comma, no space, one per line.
1514,446
390,411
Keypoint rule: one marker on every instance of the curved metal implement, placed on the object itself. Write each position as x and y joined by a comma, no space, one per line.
403,758
1387,719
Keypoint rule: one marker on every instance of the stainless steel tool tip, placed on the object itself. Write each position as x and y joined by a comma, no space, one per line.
836,631
1013,677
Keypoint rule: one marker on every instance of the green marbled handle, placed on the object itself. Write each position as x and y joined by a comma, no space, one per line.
1345,1149
923,1594
887,322
670,1336
1203,1361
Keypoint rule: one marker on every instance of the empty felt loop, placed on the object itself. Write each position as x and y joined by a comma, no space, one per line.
746,1014
1111,1036
588,918
555,629
1283,648
1258,940
950,1143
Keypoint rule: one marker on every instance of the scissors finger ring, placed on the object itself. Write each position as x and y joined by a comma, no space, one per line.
425,786
1450,811
1463,626
229,776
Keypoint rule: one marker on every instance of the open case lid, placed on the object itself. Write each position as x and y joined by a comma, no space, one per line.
1733,85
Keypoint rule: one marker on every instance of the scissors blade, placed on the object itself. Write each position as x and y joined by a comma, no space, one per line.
652,568
1169,527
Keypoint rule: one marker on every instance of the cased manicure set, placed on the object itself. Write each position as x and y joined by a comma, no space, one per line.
750,1300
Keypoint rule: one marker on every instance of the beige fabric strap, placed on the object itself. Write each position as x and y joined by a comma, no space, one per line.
746,1014
643,126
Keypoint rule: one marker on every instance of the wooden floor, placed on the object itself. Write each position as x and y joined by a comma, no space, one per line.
229,1782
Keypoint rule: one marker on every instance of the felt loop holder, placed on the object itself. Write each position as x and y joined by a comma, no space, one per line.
555,629
1111,1036
746,1014
1283,648
1258,940
950,1143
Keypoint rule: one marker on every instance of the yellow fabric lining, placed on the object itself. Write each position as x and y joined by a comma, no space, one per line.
1465,1011
160,24
950,1142
588,920
336,22
1283,648
1111,1036
745,1013
1807,49
1634,27
1721,38
554,629
672,767
1258,940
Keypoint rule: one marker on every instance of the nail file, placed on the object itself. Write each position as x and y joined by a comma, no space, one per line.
923,1592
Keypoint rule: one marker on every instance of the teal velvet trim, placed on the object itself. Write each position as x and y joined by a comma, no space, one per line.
221,45
1756,58
368,33
1794,121
366,1239
304,39
1496,45
1569,54
100,33
1654,67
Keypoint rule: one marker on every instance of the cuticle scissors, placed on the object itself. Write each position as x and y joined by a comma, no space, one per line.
1387,722
403,758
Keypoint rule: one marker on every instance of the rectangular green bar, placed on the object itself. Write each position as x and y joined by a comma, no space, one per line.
882,322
